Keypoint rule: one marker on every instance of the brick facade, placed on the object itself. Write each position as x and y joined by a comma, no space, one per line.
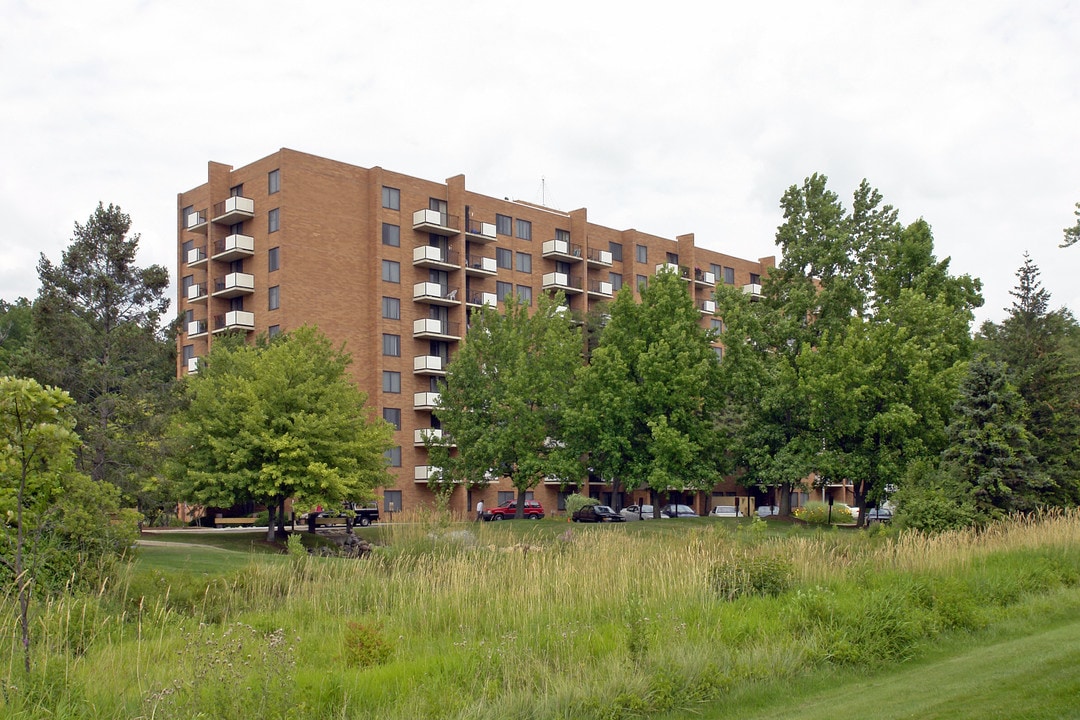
294,239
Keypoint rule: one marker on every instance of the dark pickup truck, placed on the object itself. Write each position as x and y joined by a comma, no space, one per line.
349,515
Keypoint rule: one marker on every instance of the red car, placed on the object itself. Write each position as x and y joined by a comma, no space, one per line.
508,511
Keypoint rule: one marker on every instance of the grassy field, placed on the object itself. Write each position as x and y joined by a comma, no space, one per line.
551,620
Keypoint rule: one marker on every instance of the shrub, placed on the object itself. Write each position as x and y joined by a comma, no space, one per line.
365,645
817,513
763,575
576,501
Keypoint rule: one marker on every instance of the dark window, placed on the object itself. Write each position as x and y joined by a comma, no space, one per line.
391,308
273,331
273,259
716,270
273,220
503,290
642,282
391,271
391,381
503,224
524,229
392,416
189,352
504,258
273,181
391,345
616,251
187,282
236,190
562,235
391,501
525,294
393,456
524,262
391,198
755,279
391,235
642,254
729,276
274,295
673,258
616,281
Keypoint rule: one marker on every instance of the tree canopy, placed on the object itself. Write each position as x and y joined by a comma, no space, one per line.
645,410
276,420
503,399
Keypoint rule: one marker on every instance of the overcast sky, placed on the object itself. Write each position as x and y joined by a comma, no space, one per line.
670,117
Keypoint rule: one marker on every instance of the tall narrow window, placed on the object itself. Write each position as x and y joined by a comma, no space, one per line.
524,229
616,251
504,258
504,224
524,262
642,254
392,416
273,259
616,281
391,345
391,198
729,276
391,271
391,381
273,181
273,220
503,290
391,308
274,294
525,294
642,282
393,456
391,235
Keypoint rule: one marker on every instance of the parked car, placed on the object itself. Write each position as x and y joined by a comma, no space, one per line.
726,511
767,510
597,513
678,511
508,511
879,514
638,512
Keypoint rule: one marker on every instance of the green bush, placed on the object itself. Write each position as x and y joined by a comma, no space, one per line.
762,575
365,646
576,501
817,513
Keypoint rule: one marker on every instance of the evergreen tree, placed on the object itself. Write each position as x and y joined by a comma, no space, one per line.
97,334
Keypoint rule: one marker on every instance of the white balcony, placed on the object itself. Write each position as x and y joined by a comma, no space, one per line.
477,299
196,222
667,267
233,247
234,320
435,294
428,365
235,209
234,284
421,434
196,328
425,400
599,257
707,306
562,250
561,281
196,293
431,256
433,221
600,288
480,232
196,256
425,473
704,277
192,365
479,265
753,290
436,329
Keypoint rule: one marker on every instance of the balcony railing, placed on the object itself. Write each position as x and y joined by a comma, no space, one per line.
432,328
435,294
599,257
431,256
196,221
196,256
425,473
428,365
192,365
421,434
195,328
476,264
235,209
562,249
196,292
234,320
482,298
753,290
233,247
707,306
433,221
480,232
681,270
234,284
562,281
425,400
704,277
600,287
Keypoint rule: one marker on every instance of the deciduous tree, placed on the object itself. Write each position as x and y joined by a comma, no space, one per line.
272,421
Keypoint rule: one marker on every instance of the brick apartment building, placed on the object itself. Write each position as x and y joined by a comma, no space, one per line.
391,266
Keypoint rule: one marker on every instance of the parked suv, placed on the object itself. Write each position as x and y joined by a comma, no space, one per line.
596,513
678,511
508,510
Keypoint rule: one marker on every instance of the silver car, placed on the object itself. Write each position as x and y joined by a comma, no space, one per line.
637,512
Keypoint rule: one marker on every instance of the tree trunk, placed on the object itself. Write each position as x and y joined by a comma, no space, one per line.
281,516
784,501
519,511
271,509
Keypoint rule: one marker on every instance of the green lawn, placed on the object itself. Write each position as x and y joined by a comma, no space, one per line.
1027,670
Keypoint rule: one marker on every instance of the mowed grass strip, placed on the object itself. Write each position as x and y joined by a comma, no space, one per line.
1030,673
